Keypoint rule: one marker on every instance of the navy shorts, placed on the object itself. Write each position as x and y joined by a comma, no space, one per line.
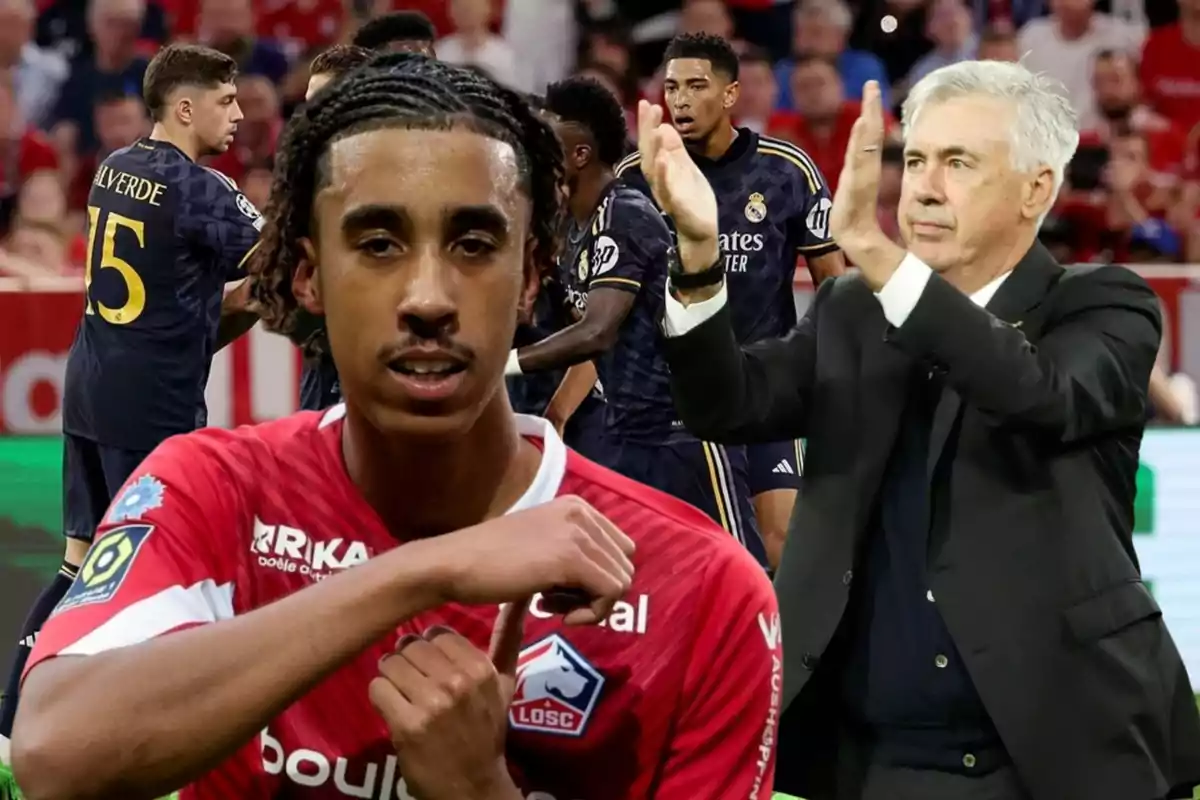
710,477
92,475
778,465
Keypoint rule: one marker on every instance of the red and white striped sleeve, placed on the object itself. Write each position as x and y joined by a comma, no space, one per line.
164,559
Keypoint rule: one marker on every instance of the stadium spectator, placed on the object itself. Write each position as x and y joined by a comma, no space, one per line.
821,28
39,72
24,151
894,30
1169,71
545,34
473,43
1064,45
40,243
997,44
300,27
756,106
1101,218
228,27
1118,98
120,121
257,132
823,116
948,26
398,32
706,16
608,42
65,26
114,67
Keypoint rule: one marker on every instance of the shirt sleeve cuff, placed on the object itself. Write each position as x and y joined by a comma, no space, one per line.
679,319
900,294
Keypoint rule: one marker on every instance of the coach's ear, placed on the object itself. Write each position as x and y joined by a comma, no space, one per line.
532,280
305,285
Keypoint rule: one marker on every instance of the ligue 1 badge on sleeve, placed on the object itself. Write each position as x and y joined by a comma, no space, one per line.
143,495
756,208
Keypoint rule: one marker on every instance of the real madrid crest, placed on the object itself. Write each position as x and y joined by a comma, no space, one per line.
756,208
583,265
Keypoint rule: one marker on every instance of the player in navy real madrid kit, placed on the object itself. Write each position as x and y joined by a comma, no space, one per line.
165,237
614,267
319,387
774,208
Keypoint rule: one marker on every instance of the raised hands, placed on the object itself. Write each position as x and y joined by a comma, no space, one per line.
679,188
853,221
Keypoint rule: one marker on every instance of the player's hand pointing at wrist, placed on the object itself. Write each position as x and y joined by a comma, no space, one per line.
446,708
679,188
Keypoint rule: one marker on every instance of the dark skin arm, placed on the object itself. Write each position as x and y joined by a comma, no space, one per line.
829,265
236,316
586,339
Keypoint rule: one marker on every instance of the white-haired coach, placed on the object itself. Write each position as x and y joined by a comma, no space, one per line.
963,614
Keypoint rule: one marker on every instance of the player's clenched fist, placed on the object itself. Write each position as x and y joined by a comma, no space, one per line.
562,545
446,707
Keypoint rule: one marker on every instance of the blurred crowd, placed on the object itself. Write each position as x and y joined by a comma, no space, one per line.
71,73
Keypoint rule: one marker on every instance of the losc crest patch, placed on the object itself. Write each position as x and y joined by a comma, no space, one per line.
106,565
557,689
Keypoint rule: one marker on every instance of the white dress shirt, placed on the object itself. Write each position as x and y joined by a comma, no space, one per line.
898,297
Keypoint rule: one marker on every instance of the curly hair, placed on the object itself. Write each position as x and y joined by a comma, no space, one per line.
400,90
585,102
716,50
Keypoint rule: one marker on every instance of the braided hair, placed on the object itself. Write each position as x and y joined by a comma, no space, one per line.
400,90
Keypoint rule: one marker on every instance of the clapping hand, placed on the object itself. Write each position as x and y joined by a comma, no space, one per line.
679,188
446,707
854,221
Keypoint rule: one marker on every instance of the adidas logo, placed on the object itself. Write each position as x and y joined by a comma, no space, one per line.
784,467
29,640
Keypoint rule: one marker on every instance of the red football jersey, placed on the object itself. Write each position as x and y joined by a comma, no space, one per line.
674,697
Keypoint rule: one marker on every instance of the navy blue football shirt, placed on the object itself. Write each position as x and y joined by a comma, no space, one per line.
773,206
164,237
625,247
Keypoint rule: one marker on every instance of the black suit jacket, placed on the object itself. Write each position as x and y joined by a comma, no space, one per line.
1032,461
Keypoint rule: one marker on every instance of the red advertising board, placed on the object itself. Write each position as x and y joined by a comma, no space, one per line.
257,378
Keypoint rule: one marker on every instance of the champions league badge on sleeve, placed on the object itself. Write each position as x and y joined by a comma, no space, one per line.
143,495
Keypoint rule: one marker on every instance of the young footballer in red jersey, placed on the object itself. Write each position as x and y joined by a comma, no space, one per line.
306,608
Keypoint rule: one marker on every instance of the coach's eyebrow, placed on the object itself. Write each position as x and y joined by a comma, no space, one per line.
944,153
481,218
375,216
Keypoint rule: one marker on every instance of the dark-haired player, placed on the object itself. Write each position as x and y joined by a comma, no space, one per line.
774,207
319,388
165,236
238,631
398,32
614,263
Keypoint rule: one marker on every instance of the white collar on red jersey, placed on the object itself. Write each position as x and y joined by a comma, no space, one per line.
553,468
549,477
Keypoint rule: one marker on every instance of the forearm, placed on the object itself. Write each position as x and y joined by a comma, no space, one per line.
574,389
573,345
140,721
828,265
236,316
